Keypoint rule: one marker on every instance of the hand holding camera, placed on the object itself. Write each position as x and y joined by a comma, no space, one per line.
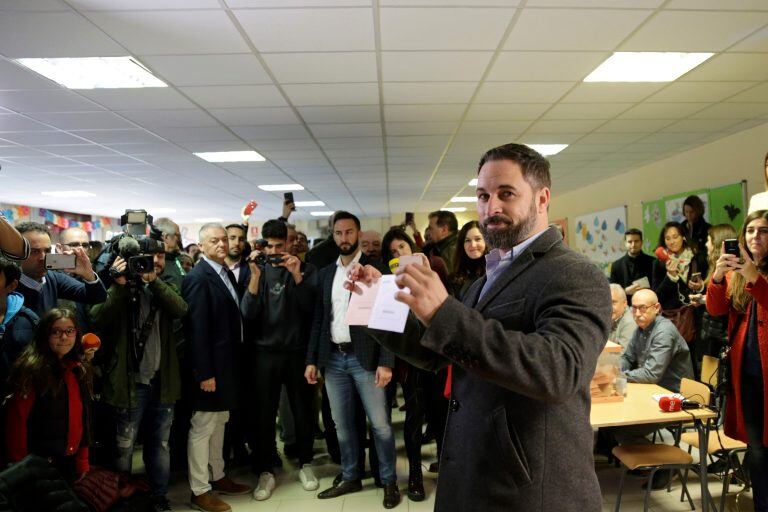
117,271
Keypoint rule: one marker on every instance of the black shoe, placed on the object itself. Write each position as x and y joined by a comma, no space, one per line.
377,482
337,480
391,495
416,485
434,467
660,480
717,467
160,503
341,489
291,451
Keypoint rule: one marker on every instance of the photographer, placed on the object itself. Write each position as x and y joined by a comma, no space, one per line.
280,297
142,375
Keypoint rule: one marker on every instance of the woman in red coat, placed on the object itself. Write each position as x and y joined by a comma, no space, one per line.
739,288
47,414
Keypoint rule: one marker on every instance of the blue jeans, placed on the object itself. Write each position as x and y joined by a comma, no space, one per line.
157,457
343,375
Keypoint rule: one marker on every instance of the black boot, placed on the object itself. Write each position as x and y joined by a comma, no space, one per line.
391,495
415,484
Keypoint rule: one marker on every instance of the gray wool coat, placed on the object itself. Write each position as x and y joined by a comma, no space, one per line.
518,436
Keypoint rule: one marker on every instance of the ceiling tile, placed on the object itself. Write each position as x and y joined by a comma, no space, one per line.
45,101
333,94
586,110
195,134
53,34
235,4
576,29
413,113
171,32
564,126
346,130
611,92
141,5
254,116
234,96
545,66
634,125
757,93
117,136
427,92
306,30
82,149
17,123
82,120
302,68
276,132
735,66
757,42
35,5
138,99
341,114
705,31
447,3
164,118
733,111
434,66
443,29
41,138
736,5
699,91
662,110
699,126
421,128
522,92
615,4
233,69
14,76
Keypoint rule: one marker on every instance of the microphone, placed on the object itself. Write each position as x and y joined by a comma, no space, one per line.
670,404
90,340
128,247
393,264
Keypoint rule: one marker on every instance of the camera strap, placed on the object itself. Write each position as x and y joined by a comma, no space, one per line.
146,328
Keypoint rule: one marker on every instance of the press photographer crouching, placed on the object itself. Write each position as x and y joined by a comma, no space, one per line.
280,297
139,358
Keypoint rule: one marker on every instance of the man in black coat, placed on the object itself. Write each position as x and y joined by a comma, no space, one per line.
634,265
212,329
524,344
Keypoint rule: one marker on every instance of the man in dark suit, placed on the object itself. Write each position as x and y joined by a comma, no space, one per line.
212,329
352,361
524,345
634,265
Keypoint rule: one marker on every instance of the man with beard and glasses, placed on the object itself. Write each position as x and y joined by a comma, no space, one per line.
352,362
523,344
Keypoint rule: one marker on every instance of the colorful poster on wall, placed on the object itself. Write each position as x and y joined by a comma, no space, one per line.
563,225
600,236
654,216
728,204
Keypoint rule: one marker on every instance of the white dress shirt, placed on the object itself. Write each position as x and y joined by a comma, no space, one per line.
340,301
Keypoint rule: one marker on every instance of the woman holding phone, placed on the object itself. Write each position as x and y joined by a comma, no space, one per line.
739,288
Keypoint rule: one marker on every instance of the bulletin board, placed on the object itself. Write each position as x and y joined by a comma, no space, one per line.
722,205
600,236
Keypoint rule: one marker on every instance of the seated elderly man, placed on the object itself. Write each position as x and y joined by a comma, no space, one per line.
622,323
656,354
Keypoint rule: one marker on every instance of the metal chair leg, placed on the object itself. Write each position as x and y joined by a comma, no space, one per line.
684,492
621,487
648,487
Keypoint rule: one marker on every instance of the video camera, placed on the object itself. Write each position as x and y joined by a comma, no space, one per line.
136,245
262,259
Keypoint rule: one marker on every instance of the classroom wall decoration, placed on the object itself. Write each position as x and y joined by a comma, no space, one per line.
723,205
600,236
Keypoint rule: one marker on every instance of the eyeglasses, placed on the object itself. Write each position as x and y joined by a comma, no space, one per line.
59,333
84,245
643,309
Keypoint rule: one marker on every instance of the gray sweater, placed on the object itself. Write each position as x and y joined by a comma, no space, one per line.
657,354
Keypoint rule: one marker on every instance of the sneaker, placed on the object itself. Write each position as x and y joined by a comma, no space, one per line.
265,487
307,478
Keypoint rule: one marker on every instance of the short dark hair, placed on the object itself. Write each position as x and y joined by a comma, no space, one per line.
274,228
696,203
238,226
10,270
343,215
535,167
446,218
633,231
27,227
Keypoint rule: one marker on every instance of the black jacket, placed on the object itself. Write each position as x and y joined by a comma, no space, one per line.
699,234
323,254
18,334
212,329
369,354
626,270
282,310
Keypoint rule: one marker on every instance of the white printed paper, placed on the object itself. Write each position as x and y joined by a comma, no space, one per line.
388,314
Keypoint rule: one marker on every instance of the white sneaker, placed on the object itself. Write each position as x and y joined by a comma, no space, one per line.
308,479
265,487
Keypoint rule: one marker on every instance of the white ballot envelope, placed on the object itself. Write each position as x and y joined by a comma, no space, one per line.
642,283
388,313
361,305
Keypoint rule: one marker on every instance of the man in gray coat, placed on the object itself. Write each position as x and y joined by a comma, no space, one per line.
524,345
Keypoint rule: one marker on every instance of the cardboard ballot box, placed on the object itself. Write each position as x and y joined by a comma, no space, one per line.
603,384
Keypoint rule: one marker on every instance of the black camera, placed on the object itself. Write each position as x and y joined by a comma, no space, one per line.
136,245
264,259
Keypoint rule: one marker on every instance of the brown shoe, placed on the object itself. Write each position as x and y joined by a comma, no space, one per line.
209,502
227,486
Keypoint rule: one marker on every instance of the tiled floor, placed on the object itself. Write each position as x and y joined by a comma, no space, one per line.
289,495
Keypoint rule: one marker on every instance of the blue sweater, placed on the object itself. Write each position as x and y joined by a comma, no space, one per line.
59,285
16,332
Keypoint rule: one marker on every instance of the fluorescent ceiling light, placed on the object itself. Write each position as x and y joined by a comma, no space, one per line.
94,72
646,66
456,209
205,220
231,156
68,193
464,199
309,203
281,188
321,214
547,149
472,182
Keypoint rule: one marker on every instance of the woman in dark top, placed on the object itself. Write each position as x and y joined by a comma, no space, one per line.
48,412
739,288
694,226
680,268
469,262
